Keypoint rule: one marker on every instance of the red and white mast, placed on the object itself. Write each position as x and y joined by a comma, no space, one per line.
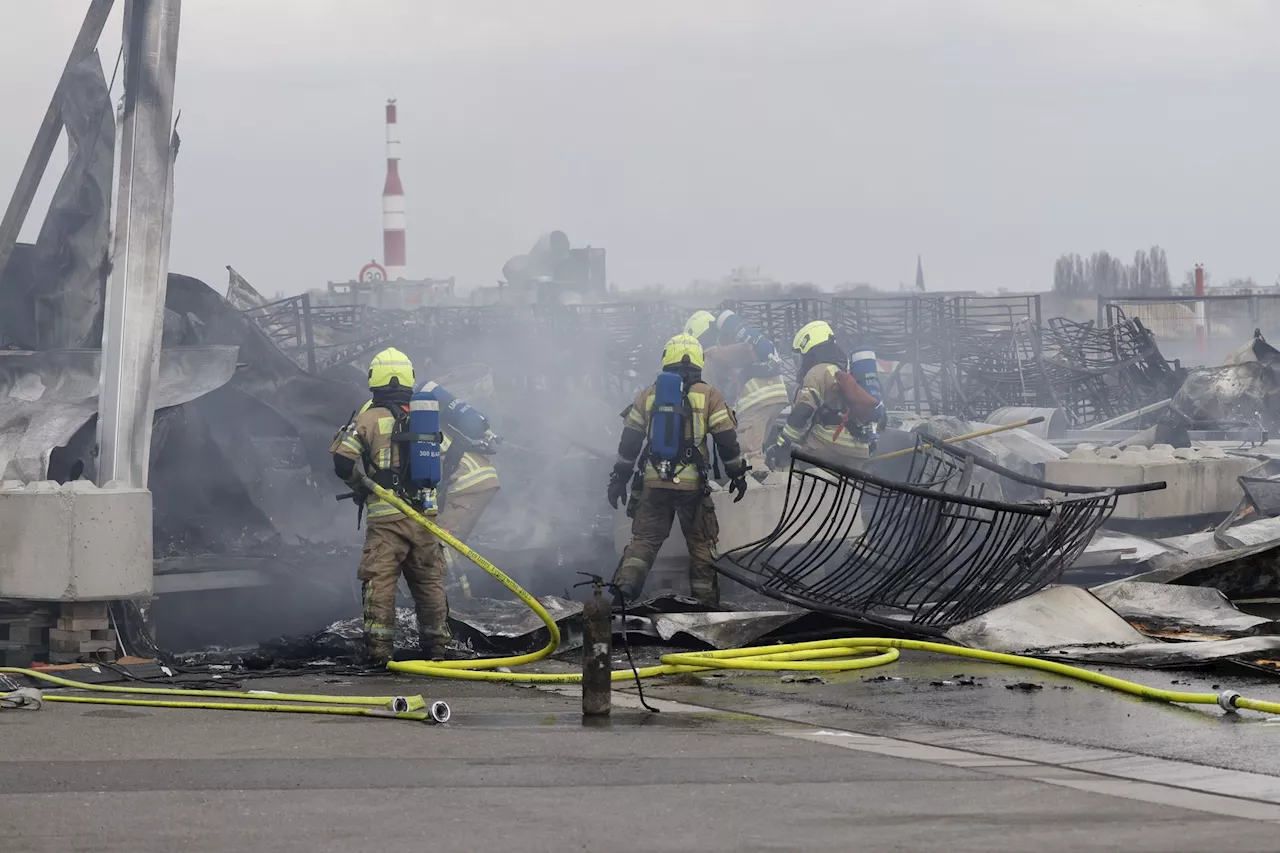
393,256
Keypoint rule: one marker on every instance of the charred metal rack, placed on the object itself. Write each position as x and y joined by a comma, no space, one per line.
926,553
780,319
943,355
292,324
621,338
1091,374
908,333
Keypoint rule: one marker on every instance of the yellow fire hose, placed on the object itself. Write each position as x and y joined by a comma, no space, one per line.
840,655
412,708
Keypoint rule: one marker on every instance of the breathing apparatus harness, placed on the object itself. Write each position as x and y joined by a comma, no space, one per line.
667,446
417,437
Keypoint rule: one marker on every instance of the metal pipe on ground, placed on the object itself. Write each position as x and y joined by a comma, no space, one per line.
978,434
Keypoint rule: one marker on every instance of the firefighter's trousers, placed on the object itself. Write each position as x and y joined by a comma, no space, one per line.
459,515
649,529
391,546
461,511
753,429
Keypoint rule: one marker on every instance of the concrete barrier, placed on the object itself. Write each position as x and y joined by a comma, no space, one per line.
74,542
1200,480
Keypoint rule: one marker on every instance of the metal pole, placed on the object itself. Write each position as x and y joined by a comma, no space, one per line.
47,137
309,341
134,305
1202,332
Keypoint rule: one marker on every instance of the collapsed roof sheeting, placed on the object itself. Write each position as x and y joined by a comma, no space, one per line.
1241,573
49,396
1171,655
1057,616
1257,349
313,406
1174,612
52,297
1245,394
1072,624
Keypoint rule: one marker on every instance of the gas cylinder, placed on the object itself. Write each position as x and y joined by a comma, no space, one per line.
597,654
460,416
733,329
424,444
666,425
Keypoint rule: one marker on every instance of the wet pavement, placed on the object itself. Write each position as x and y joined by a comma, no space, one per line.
936,691
759,765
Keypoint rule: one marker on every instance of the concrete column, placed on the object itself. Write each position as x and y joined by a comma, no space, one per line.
134,308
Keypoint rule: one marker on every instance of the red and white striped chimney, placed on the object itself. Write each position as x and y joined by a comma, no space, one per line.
393,257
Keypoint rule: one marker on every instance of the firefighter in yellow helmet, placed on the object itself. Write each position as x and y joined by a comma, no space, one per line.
824,420
665,431
394,543
744,365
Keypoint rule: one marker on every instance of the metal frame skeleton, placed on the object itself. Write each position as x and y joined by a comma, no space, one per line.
965,356
926,553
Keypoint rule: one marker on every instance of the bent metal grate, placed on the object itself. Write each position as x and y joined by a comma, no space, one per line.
929,552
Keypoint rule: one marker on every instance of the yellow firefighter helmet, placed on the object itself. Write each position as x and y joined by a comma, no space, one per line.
812,334
699,323
390,367
682,347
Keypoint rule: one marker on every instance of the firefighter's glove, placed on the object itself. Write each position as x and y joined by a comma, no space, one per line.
737,472
619,484
778,456
360,492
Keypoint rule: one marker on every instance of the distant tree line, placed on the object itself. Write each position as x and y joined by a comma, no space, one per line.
1102,273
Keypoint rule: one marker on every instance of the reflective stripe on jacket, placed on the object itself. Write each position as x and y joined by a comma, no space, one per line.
762,391
821,392
475,472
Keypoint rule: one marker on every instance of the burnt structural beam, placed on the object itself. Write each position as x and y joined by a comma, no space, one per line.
47,137
134,306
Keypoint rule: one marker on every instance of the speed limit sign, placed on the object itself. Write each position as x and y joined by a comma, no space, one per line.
372,272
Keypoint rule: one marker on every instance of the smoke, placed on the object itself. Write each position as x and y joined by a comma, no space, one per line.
552,380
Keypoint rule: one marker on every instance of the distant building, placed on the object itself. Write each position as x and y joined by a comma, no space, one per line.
399,295
551,272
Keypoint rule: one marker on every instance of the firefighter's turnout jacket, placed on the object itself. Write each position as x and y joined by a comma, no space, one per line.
710,415
817,421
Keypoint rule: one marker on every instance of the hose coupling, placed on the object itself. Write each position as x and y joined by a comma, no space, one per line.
399,705
440,712
28,698
1227,700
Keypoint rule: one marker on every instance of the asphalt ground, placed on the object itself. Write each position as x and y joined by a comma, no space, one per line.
736,764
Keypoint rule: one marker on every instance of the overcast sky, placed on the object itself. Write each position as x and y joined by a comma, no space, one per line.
822,141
